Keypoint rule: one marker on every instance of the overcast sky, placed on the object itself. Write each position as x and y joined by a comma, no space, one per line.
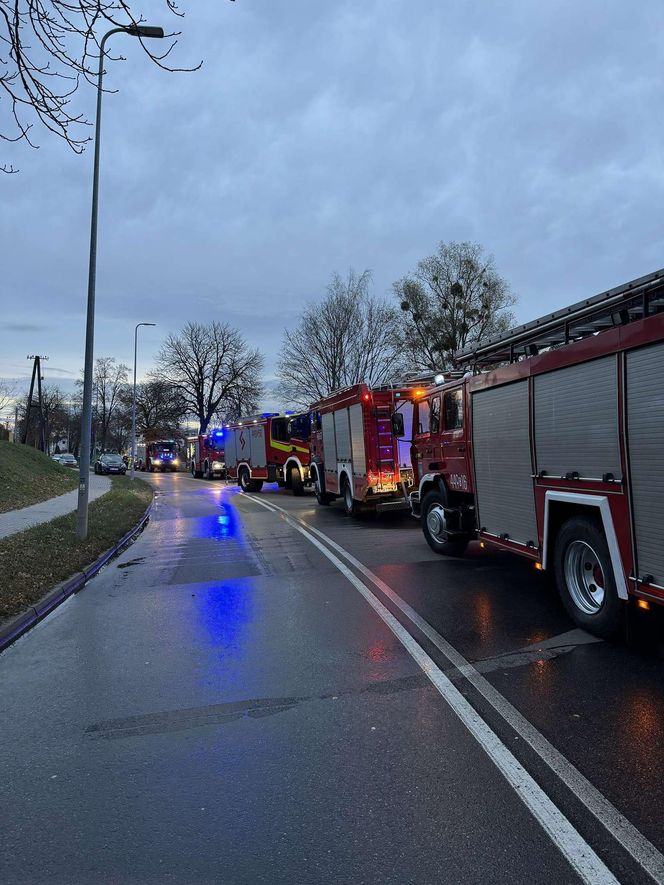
324,135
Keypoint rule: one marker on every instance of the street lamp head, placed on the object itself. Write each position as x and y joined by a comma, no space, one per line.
144,31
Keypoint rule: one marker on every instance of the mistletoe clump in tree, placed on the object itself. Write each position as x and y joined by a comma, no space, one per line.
454,298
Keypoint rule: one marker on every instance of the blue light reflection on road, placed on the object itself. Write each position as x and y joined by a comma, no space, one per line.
225,610
227,607
222,526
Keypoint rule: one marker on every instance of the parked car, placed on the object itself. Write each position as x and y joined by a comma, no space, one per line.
110,464
66,459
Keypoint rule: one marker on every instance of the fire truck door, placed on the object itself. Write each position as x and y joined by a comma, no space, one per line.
453,454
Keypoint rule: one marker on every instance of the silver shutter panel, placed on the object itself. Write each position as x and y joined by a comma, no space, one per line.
645,436
329,445
342,433
357,439
501,445
576,420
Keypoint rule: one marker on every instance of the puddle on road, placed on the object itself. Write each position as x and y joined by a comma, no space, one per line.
131,562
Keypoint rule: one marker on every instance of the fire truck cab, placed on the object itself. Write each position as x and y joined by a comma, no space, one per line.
159,455
355,452
551,447
270,447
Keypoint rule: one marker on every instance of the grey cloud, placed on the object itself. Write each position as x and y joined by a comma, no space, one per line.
323,136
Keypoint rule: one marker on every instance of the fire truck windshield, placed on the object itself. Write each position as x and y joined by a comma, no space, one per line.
299,427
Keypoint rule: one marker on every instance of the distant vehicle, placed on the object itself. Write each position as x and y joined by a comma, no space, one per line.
110,464
160,455
206,455
66,459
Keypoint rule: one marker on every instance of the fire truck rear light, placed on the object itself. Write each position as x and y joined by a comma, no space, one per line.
644,604
482,545
366,397
538,567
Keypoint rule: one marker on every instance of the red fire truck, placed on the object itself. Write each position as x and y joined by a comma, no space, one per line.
556,454
205,454
269,447
354,449
159,455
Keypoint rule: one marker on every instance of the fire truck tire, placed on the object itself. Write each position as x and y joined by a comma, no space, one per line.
323,498
585,579
244,480
433,526
255,485
350,504
297,486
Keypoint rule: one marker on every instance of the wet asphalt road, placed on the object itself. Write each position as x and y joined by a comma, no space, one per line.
222,705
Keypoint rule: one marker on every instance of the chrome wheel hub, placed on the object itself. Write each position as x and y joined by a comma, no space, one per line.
584,577
436,523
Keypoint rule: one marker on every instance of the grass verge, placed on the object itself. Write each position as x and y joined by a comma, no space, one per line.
28,476
35,560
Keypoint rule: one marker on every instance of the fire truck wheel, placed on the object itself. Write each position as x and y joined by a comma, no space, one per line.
433,526
244,480
255,485
323,498
297,486
585,579
350,505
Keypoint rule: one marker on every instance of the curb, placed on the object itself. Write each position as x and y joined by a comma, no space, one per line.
21,623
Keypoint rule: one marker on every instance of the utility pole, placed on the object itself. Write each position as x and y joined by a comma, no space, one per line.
36,373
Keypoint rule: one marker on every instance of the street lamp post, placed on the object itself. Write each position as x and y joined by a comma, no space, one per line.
86,416
133,401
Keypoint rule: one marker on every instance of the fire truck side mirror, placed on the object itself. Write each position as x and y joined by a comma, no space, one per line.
398,428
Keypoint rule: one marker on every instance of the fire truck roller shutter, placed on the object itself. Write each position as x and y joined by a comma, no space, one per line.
342,434
503,468
256,434
357,440
576,420
329,442
230,448
645,439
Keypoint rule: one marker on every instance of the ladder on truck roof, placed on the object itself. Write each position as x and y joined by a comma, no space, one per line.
632,301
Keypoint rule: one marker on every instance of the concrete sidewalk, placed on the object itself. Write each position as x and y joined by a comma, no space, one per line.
17,520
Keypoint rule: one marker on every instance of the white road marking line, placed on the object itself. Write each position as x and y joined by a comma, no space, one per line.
576,850
625,833
634,842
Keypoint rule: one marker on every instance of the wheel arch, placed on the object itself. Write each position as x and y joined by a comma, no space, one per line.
559,506
433,481
293,462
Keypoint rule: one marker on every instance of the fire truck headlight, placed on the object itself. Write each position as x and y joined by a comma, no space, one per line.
156,461
175,461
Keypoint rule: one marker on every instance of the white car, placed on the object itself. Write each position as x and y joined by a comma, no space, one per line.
66,459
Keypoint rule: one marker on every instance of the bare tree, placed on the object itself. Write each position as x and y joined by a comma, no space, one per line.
213,369
159,409
53,414
453,298
108,381
50,46
7,394
347,338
